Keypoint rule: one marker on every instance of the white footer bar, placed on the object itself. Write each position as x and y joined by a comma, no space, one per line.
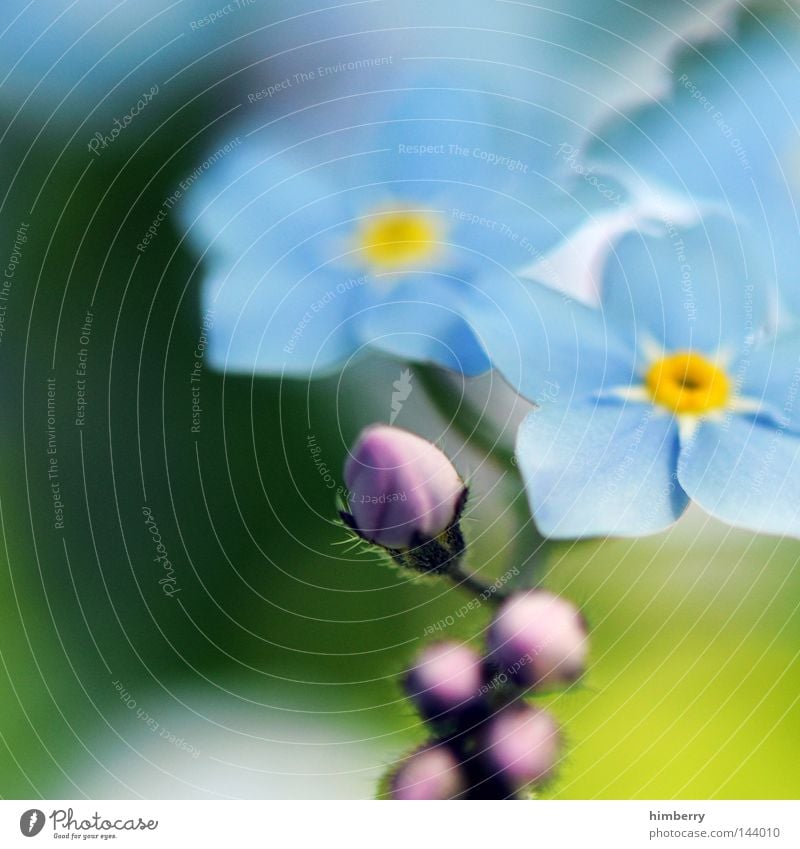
401,824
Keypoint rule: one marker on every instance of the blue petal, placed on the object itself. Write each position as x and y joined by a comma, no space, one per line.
542,342
519,230
269,321
257,198
424,332
686,288
281,300
727,121
600,469
451,127
745,473
728,130
428,134
770,375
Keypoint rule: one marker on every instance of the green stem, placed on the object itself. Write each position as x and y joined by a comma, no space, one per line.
466,581
531,548
444,556
468,421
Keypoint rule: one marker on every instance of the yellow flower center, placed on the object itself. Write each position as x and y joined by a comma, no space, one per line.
400,238
687,382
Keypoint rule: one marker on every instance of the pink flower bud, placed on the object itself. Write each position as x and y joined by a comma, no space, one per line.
538,638
446,680
432,772
403,491
521,745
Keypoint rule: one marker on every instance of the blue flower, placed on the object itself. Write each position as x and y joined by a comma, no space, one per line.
360,217
726,131
675,388
371,230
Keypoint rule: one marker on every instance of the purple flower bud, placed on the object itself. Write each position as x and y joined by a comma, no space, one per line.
520,745
538,638
445,680
432,772
403,490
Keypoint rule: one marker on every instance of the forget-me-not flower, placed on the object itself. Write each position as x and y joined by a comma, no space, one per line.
675,388
371,230
360,217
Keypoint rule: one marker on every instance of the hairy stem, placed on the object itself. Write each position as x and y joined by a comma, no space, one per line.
449,400
466,581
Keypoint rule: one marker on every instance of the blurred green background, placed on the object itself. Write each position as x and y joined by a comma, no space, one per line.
273,671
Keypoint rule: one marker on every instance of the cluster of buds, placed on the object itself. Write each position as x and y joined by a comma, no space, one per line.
489,743
405,496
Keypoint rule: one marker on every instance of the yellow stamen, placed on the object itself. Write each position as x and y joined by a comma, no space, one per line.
687,382
398,239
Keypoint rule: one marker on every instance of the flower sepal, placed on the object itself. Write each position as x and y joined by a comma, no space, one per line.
430,556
